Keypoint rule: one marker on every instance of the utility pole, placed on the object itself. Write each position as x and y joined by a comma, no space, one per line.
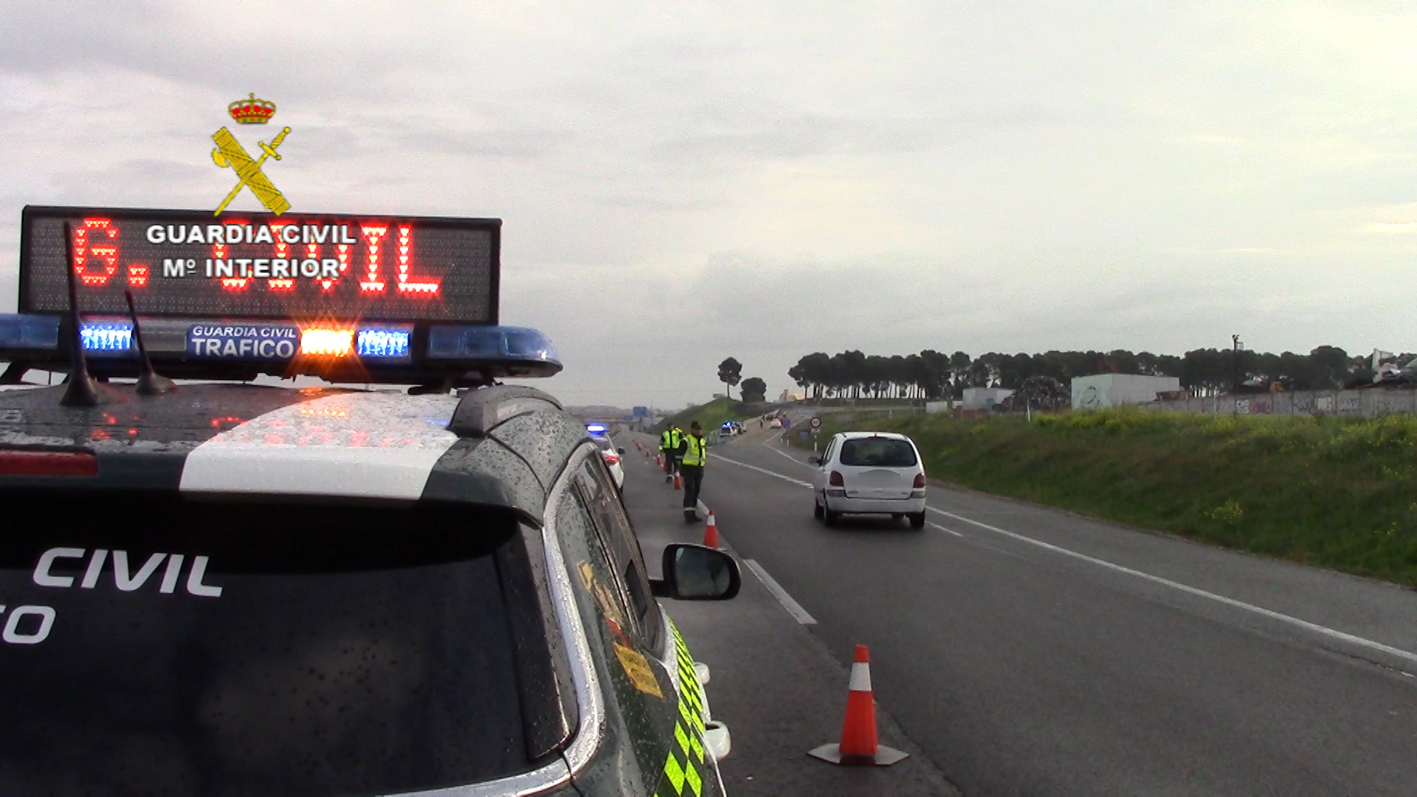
1235,362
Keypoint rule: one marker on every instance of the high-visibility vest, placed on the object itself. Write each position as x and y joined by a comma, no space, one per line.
666,440
694,457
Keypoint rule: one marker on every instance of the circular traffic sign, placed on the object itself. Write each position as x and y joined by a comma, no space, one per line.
816,422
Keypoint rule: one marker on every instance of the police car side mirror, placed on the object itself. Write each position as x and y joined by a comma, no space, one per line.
621,451
815,460
697,573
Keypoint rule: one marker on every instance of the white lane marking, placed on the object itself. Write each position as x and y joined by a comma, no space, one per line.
787,456
1273,615
374,445
942,528
797,482
793,607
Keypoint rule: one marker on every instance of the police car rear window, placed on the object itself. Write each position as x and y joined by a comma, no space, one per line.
879,452
162,646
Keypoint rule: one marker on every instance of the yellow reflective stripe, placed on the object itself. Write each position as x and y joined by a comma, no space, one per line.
684,764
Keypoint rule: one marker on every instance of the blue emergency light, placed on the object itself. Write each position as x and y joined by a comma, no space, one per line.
595,428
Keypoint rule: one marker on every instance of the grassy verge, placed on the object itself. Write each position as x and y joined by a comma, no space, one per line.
711,415
1334,492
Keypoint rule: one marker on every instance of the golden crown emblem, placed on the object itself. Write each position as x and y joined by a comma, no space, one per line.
252,111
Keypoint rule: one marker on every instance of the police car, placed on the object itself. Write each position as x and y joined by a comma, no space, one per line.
228,588
613,456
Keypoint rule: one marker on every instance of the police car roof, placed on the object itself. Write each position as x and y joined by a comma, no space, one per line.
497,446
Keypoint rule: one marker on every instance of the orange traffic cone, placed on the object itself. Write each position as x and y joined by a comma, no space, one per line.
711,532
858,745
678,482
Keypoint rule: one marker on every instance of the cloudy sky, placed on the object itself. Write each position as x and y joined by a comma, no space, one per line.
682,182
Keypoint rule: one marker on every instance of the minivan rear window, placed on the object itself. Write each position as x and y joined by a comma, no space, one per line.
157,645
879,452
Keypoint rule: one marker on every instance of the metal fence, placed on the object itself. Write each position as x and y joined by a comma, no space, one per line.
1355,403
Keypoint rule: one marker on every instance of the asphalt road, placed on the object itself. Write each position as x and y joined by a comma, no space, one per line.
775,684
1018,650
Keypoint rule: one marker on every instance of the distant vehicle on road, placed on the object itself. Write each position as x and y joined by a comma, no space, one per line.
613,458
869,473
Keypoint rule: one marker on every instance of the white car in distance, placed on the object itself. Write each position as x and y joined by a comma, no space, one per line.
869,473
614,458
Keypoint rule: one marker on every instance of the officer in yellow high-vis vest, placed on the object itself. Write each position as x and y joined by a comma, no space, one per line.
669,443
694,451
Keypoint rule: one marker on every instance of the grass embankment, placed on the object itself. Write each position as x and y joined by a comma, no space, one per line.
1334,492
711,415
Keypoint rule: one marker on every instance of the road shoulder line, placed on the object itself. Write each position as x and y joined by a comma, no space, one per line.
797,482
942,528
793,607
1325,631
786,455
1263,612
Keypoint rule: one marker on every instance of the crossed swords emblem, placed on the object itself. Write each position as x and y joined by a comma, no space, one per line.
229,152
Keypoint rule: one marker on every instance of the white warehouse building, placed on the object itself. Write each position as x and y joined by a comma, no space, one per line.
1113,390
983,398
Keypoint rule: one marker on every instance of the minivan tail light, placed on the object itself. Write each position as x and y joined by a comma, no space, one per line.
836,480
919,481
48,463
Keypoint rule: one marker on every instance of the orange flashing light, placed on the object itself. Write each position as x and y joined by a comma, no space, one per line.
319,341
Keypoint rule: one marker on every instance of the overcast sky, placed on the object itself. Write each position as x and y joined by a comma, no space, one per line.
682,182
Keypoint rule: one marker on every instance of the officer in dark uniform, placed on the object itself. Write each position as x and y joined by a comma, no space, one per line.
693,450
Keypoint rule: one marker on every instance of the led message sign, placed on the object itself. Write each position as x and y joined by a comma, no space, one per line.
298,266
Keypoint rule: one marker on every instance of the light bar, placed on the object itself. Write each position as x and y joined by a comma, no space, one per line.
595,427
39,332
506,346
220,347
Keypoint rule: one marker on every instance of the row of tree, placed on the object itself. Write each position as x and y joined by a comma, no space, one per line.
934,375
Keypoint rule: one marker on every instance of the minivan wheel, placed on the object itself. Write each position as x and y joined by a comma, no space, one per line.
817,510
917,520
830,517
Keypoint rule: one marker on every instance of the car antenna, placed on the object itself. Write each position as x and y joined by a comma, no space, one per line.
149,384
82,391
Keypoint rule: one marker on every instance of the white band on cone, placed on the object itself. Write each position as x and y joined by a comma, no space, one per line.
860,677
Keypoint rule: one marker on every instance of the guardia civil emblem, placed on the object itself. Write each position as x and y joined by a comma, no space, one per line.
230,153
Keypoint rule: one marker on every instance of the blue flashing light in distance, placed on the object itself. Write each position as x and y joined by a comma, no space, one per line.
382,342
106,336
595,428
